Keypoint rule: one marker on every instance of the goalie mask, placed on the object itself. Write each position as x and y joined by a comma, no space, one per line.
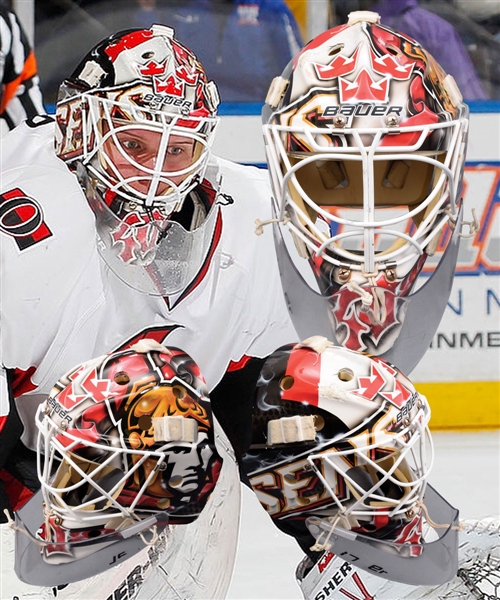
136,121
341,453
128,446
365,140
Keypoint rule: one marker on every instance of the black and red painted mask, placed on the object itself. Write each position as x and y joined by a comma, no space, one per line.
341,450
133,433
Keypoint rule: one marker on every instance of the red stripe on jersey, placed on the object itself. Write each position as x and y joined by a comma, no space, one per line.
3,420
237,365
21,381
205,266
304,365
159,334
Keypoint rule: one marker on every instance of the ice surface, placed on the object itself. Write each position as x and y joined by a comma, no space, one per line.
466,472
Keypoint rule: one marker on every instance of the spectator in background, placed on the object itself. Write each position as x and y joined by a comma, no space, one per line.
436,35
484,12
241,43
20,97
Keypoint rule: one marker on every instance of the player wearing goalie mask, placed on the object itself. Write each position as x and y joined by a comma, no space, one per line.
126,227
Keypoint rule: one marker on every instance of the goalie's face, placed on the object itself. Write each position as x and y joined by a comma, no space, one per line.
146,160
142,170
136,154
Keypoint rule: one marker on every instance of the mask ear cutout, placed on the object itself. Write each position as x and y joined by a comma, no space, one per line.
421,216
296,196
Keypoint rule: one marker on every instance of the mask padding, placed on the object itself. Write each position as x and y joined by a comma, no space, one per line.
107,483
396,174
332,174
361,477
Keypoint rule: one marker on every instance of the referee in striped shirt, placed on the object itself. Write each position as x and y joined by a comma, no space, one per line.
20,95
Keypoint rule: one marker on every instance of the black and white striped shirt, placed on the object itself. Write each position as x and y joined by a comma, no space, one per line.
20,96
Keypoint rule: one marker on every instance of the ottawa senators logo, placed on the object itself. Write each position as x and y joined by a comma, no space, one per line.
21,218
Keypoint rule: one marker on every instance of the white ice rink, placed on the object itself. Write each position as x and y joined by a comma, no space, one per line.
466,472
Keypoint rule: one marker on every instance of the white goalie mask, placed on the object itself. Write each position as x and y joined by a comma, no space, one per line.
136,122
365,140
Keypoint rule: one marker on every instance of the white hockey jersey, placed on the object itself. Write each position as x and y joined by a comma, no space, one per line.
60,304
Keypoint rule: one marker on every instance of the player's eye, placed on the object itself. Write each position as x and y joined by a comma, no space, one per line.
175,150
131,145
